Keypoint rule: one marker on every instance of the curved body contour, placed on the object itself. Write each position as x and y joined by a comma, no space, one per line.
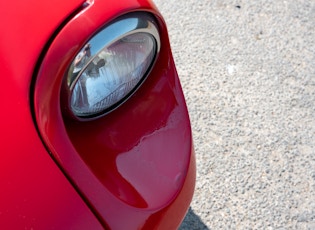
133,168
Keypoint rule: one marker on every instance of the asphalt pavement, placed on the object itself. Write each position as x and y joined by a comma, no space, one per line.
248,73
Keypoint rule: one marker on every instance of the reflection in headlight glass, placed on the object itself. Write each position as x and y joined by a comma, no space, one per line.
111,75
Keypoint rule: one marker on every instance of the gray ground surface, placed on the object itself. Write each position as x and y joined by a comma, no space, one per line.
248,73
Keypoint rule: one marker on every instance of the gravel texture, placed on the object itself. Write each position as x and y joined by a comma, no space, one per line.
248,73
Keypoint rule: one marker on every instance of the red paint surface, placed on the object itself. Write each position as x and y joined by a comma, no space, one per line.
34,194
135,166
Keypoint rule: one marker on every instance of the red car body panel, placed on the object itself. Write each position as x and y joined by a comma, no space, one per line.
131,169
34,192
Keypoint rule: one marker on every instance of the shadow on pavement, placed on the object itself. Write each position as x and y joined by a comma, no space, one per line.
193,222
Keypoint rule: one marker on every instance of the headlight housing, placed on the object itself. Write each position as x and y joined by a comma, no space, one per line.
111,66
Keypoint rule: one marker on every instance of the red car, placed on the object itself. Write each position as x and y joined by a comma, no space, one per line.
95,129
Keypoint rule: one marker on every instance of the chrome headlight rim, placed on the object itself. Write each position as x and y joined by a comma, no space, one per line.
124,26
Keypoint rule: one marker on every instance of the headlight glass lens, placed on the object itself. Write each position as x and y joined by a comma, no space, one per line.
103,75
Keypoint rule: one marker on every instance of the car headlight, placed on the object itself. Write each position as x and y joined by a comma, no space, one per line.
111,66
